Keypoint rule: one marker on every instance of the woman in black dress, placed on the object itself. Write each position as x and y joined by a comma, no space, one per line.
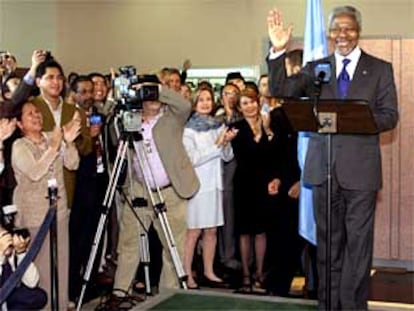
255,181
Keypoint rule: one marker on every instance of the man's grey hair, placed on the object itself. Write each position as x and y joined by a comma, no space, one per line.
345,10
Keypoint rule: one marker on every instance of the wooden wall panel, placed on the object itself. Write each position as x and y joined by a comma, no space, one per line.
395,210
406,207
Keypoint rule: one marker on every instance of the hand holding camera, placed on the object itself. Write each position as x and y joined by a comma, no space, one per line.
6,242
10,236
38,57
95,125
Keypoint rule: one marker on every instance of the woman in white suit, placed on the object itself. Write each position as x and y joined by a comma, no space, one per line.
206,141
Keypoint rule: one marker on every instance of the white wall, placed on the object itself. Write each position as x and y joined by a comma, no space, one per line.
150,34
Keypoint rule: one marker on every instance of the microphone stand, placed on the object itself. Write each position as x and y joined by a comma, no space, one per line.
324,127
54,284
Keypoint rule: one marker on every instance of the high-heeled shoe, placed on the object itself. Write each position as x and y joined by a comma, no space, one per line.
194,287
213,283
246,287
258,285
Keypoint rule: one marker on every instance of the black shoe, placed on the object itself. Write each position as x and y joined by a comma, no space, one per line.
213,284
246,287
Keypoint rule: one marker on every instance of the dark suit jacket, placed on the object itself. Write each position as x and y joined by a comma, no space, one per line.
286,140
356,158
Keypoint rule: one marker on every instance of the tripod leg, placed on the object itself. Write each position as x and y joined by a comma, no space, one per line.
172,248
109,195
145,260
160,210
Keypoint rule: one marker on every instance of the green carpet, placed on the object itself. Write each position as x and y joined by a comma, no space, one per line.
208,302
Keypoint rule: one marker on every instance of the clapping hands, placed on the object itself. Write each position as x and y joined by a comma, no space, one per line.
7,127
71,130
226,136
56,138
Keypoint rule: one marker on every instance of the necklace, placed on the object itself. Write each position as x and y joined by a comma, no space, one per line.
40,143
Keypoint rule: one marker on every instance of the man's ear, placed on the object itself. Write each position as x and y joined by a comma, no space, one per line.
37,81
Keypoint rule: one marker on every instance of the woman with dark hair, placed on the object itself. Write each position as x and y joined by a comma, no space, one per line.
38,158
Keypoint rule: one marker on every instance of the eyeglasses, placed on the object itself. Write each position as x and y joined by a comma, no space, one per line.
347,30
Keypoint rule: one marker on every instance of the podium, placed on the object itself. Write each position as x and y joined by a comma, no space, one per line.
329,117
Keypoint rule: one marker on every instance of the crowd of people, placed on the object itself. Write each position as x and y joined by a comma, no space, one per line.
225,171
214,161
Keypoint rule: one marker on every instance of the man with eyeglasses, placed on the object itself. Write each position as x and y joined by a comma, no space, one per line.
356,160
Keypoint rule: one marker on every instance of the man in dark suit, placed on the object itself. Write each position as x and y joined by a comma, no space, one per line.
356,159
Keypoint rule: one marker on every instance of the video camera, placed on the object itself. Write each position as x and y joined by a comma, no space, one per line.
127,95
130,91
7,220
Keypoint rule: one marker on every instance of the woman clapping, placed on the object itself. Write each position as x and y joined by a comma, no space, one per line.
38,157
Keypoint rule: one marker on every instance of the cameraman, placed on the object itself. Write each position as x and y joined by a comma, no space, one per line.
26,296
163,122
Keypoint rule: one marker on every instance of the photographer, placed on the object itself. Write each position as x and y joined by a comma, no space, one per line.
162,129
26,296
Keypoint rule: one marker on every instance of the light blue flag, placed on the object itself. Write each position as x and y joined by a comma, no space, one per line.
314,47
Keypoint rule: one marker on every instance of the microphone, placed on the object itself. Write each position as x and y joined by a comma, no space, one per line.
322,73
52,191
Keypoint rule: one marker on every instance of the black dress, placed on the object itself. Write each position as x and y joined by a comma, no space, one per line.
257,165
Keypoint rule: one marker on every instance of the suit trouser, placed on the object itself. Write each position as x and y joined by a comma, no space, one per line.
284,245
352,238
129,240
226,239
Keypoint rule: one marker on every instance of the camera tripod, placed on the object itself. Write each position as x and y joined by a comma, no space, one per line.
134,139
